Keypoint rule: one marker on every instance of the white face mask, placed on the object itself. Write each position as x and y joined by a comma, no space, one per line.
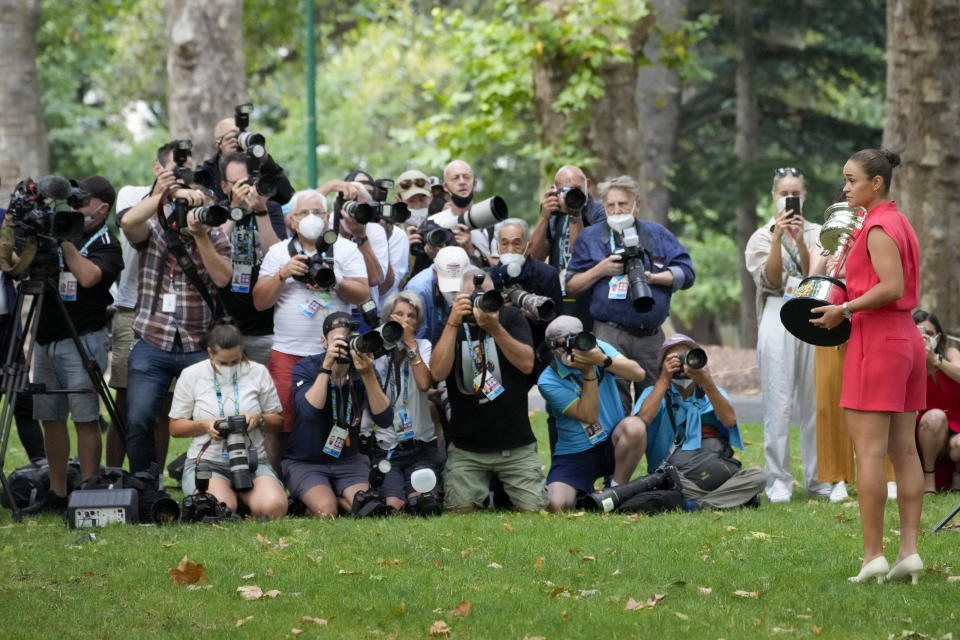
682,383
620,221
310,227
510,259
782,203
449,296
417,216
226,372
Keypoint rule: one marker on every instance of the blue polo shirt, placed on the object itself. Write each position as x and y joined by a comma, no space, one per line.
690,414
561,387
593,245
435,309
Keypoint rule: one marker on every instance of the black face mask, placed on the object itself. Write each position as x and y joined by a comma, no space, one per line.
436,204
462,201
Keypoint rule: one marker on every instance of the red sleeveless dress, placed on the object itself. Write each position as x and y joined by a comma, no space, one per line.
885,365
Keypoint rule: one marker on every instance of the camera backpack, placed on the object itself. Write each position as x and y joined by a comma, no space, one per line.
31,482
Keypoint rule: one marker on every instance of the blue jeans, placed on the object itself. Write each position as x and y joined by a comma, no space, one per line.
149,373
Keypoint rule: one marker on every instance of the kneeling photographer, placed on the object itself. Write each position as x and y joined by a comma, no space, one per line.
89,260
226,404
594,439
322,465
691,423
411,442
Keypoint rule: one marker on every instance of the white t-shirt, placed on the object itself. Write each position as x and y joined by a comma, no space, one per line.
127,291
195,398
418,406
377,237
295,332
399,244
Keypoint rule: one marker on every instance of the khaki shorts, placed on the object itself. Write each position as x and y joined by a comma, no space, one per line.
123,340
467,476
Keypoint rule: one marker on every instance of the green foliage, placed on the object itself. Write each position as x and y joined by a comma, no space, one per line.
716,290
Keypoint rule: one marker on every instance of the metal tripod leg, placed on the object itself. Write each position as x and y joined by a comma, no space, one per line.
949,517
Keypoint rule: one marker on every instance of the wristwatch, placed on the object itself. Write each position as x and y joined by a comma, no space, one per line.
359,241
260,213
846,311
412,353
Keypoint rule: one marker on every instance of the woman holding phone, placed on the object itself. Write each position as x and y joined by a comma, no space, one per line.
778,255
884,373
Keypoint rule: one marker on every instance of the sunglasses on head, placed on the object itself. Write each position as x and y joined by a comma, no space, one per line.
783,171
412,182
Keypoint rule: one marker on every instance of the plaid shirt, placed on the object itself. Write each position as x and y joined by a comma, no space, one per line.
160,274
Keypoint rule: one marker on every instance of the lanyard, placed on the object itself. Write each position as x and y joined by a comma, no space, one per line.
794,265
334,392
83,250
399,383
244,245
564,243
236,394
476,367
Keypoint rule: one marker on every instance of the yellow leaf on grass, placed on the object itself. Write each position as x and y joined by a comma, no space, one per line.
633,604
953,578
507,527
682,616
760,535
495,565
248,576
462,609
273,593
282,544
263,539
730,528
466,552
740,593
250,592
440,628
589,559
705,591
400,608
296,631
657,597
538,563
243,621
269,572
188,572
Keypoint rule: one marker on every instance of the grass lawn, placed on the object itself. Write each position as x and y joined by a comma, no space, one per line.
777,571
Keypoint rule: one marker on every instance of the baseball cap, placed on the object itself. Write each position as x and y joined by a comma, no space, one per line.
672,341
561,327
411,183
451,263
99,187
338,319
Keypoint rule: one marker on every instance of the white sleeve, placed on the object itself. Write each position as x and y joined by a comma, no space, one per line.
425,349
184,395
399,245
277,256
347,260
377,237
267,391
129,196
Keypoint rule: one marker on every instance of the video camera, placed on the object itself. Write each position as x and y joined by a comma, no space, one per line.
319,272
32,207
243,462
573,199
631,255
433,235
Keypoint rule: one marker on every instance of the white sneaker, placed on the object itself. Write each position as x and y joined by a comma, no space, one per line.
839,492
891,491
779,495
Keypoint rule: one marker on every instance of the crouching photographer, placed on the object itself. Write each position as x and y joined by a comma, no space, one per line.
411,442
226,403
594,438
322,465
692,425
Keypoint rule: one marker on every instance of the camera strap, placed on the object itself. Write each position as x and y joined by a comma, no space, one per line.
179,252
341,411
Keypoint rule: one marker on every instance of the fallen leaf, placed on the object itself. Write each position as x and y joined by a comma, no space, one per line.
250,592
760,535
243,621
462,609
263,539
273,593
633,604
730,528
589,559
953,578
740,593
248,576
781,630
538,563
167,545
573,551
269,572
564,615
198,587
494,565
507,527
400,608
440,628
585,593
188,572
578,514
319,621
560,592
282,544
682,616
705,591
344,572
657,597
817,629
616,572
466,552
534,638
296,631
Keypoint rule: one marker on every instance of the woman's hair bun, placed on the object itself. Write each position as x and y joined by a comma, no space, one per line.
892,157
224,321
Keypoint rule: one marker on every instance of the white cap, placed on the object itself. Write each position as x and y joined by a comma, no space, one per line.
451,263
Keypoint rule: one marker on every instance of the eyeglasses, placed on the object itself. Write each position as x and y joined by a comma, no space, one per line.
412,182
782,171
305,212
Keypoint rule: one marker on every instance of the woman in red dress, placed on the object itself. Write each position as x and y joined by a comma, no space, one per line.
884,376
938,426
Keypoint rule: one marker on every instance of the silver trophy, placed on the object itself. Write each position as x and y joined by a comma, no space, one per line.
836,238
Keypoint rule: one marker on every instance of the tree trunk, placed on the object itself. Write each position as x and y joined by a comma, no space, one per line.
611,132
658,113
205,68
23,135
745,147
923,125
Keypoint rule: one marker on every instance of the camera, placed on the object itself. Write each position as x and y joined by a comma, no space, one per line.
78,198
248,141
427,503
573,199
365,213
265,185
610,499
319,272
639,292
368,310
694,358
480,216
182,150
204,506
234,431
488,301
583,341
540,307
213,215
371,503
32,207
369,342
391,332
433,235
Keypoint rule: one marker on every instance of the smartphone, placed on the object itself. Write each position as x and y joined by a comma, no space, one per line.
793,206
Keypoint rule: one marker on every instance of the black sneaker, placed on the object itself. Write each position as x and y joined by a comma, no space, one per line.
50,503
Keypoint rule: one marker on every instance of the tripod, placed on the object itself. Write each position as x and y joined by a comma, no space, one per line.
949,517
14,374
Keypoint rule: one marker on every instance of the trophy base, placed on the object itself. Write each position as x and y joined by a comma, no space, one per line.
813,292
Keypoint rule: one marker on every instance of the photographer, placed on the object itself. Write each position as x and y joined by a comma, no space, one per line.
370,238
594,438
405,373
174,308
686,406
629,268
260,228
437,287
225,142
485,357
206,392
322,464
88,267
459,182
299,303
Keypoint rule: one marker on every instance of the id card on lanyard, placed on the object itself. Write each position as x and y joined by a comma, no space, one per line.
483,380
244,257
398,389
339,435
68,282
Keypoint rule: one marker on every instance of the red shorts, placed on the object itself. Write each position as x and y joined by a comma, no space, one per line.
885,365
280,365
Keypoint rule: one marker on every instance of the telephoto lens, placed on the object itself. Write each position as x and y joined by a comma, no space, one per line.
369,342
362,213
694,358
540,307
583,341
319,274
573,198
639,289
266,186
485,214
212,216
234,431
610,499
397,213
392,334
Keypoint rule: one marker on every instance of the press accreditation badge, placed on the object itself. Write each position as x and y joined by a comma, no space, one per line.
310,306
168,303
242,274
335,442
403,425
594,432
618,287
790,290
491,386
68,286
